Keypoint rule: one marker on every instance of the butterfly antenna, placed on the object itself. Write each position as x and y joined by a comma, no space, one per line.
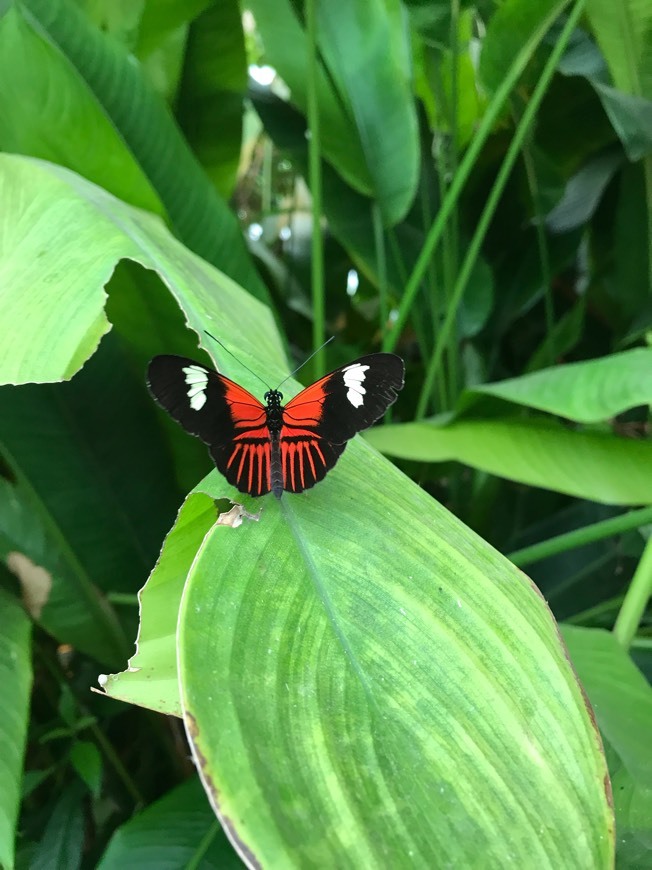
314,353
221,344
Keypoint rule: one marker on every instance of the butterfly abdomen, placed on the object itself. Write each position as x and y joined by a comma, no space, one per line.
274,424
276,474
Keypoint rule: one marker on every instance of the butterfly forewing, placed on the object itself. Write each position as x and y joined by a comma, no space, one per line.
349,399
260,448
222,413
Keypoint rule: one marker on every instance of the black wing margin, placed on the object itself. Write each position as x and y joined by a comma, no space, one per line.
205,403
348,399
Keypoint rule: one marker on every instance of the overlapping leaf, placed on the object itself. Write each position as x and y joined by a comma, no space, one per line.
99,116
367,121
16,679
60,239
590,465
175,831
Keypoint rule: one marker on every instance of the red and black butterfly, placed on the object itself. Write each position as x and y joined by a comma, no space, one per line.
273,447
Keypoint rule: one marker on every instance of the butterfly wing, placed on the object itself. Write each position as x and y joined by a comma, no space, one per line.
221,413
322,418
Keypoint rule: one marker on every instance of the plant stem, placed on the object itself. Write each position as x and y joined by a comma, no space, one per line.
197,859
314,180
381,266
491,204
482,134
580,537
636,599
542,242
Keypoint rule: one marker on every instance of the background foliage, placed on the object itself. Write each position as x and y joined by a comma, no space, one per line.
482,177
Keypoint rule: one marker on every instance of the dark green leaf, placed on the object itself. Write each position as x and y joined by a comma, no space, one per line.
115,109
180,830
16,681
62,843
214,82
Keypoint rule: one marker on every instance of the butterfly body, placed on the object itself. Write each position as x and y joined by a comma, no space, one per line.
272,447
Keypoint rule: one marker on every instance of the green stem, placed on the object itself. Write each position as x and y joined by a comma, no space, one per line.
197,859
591,614
542,243
642,643
381,266
580,537
266,181
451,250
482,134
314,181
492,201
128,599
102,741
636,599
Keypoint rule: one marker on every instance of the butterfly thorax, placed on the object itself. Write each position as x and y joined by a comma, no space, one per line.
273,398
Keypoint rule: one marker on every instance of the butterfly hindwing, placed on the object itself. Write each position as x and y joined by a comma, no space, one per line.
305,461
222,413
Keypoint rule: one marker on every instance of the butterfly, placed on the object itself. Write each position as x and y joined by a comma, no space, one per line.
272,447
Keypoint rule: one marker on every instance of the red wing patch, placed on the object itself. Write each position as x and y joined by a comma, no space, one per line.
249,463
247,413
303,413
304,456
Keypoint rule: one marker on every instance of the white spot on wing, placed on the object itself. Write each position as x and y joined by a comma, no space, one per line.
353,379
198,401
197,379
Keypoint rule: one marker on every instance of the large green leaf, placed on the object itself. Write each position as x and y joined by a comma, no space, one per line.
47,111
587,392
16,681
340,695
76,96
376,682
372,35
591,465
280,26
179,830
60,238
333,594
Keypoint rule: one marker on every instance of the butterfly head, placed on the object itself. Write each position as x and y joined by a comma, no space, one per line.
273,398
